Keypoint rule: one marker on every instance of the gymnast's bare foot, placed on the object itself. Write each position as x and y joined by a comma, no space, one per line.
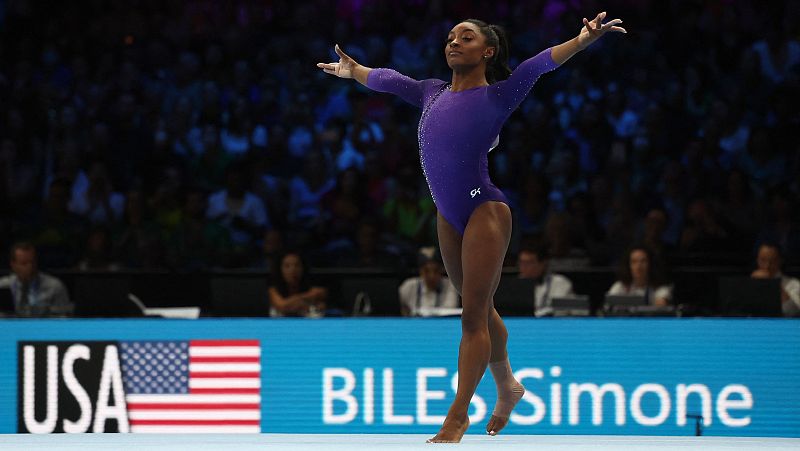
452,430
506,400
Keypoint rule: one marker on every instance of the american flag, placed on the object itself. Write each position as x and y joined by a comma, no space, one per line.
192,386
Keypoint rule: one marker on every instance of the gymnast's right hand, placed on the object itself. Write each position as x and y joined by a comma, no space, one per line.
343,69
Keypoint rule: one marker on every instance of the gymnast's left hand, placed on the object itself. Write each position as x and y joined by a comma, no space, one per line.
593,30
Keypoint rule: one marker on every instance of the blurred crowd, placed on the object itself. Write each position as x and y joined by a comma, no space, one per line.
195,135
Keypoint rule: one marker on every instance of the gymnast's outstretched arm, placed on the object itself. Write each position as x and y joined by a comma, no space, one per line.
383,80
511,92
347,67
590,32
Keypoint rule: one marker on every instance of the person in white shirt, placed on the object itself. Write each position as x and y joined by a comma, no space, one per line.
639,276
768,266
534,262
34,293
430,293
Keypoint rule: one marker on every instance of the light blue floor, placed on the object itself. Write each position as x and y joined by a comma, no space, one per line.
261,442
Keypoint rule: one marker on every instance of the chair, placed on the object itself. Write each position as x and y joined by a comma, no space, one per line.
239,296
6,302
515,296
745,296
104,296
372,296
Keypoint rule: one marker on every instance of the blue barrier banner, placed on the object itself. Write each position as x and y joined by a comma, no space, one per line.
725,377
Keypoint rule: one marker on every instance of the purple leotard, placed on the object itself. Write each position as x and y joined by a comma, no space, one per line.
457,130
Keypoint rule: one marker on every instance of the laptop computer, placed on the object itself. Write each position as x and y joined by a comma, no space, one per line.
622,304
576,305
515,296
745,296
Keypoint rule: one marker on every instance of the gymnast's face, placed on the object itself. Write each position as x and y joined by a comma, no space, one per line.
466,47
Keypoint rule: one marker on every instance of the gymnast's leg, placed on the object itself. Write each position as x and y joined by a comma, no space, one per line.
483,249
509,390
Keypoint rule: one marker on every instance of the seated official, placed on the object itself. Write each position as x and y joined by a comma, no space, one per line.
430,293
768,266
638,276
292,293
35,294
534,263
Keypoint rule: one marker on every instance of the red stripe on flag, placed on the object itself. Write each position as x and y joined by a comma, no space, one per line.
223,359
192,406
195,422
222,374
224,343
225,391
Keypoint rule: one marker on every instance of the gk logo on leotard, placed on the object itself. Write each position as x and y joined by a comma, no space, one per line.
474,192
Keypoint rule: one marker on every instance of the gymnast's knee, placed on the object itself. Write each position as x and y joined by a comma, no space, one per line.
474,320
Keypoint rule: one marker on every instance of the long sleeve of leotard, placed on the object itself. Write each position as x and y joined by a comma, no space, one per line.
393,82
511,92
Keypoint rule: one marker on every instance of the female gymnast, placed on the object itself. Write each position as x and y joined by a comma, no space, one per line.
459,125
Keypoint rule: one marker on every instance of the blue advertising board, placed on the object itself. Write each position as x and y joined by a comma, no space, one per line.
583,376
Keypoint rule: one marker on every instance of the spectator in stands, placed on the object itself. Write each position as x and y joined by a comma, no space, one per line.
531,214
763,161
235,138
346,203
584,226
98,255
430,293
292,293
738,208
138,242
563,251
241,212
369,251
307,191
36,294
533,262
56,232
408,214
167,203
781,226
208,168
654,226
363,136
163,101
98,203
640,275
620,225
18,174
703,231
377,182
272,248
778,54
199,242
768,266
